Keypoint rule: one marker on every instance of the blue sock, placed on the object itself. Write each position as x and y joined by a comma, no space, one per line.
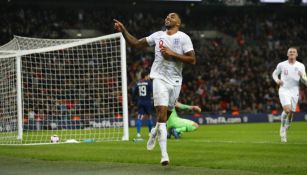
149,124
138,126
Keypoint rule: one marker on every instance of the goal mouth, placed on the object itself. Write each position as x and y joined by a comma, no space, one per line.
75,89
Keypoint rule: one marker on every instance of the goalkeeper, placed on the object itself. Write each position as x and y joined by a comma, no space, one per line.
176,125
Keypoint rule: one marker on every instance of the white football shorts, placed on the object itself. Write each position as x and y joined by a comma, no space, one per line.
165,94
288,98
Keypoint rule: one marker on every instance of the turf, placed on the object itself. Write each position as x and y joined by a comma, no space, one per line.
214,149
43,136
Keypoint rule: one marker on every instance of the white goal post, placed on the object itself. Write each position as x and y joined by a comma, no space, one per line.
73,88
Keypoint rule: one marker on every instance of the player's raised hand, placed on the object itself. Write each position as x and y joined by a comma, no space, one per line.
118,26
166,52
196,108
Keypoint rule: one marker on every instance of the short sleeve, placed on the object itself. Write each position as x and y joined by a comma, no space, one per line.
187,44
151,38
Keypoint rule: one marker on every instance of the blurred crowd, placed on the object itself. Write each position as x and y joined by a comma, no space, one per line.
54,90
226,79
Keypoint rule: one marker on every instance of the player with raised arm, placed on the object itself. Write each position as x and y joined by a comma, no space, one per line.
291,72
176,125
172,49
143,91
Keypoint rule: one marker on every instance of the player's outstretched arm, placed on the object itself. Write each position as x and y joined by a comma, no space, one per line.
188,57
196,108
134,42
187,107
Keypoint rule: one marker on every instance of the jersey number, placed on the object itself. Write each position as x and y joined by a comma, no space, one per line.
161,44
142,91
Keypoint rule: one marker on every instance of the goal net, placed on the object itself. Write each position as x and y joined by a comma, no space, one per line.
75,89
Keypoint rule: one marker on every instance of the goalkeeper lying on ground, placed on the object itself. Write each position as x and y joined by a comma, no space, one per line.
176,125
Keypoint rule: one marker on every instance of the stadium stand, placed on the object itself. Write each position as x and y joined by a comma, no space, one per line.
229,78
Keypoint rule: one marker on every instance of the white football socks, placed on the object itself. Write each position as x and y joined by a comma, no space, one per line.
162,133
283,119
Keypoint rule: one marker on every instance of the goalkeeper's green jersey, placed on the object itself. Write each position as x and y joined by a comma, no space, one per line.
174,121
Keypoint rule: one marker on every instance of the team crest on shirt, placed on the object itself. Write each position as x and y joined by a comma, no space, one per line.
176,41
296,69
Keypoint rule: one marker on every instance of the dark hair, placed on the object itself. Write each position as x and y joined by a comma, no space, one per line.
291,47
144,73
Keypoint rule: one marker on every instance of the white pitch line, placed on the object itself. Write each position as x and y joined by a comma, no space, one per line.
238,142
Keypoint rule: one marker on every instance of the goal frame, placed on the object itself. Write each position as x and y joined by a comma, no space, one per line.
17,54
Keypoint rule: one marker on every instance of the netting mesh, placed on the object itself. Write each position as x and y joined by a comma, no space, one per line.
75,93
8,101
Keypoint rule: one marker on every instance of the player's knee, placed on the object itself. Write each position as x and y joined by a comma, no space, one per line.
287,110
161,113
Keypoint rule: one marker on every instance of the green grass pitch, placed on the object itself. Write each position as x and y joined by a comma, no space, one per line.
243,149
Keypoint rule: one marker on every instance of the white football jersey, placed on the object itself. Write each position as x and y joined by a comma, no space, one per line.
289,75
169,70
